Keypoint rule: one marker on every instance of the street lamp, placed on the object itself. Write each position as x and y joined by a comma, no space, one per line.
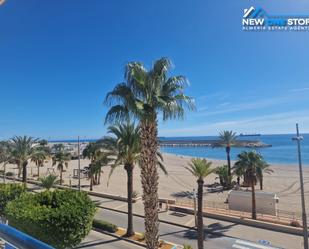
298,138
194,203
78,152
70,180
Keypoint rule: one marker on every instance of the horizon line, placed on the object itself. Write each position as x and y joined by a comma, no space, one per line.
92,138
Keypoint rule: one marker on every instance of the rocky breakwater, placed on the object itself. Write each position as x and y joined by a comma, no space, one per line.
211,143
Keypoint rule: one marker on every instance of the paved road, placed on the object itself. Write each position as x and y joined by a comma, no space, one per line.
97,240
230,235
181,235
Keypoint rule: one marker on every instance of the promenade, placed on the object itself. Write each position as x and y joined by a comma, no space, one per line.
178,228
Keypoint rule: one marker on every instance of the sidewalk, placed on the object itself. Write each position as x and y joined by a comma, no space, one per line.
219,227
214,226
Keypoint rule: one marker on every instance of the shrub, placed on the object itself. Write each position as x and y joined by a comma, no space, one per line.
49,181
104,225
61,218
135,194
142,237
186,246
9,174
9,192
295,223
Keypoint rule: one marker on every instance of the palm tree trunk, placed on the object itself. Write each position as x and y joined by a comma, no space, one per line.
150,179
129,169
96,179
221,181
38,171
19,170
25,163
61,176
200,225
91,183
253,200
261,183
228,150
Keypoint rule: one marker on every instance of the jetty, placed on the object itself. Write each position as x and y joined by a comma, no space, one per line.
210,143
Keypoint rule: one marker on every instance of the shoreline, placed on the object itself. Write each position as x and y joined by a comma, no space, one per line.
179,183
273,164
72,146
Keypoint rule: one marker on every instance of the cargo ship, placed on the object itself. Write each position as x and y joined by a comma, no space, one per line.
249,134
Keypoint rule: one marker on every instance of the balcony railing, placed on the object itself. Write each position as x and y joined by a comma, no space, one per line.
15,239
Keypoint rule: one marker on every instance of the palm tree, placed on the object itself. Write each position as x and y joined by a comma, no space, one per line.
61,158
125,143
260,170
90,152
39,158
200,168
223,175
5,155
43,143
250,163
227,139
95,168
239,172
98,158
23,149
49,181
143,95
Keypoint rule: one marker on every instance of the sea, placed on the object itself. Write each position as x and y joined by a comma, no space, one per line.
283,149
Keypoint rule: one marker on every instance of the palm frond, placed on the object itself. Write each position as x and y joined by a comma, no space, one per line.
145,93
200,168
116,113
162,167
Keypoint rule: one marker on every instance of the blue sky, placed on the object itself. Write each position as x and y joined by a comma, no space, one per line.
58,59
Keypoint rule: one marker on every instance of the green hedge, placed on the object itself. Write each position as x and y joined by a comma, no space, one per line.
61,218
9,192
104,225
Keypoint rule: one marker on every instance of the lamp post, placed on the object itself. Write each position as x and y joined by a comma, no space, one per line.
194,204
70,181
298,138
78,153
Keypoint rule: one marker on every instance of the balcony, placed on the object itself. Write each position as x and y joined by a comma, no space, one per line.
14,239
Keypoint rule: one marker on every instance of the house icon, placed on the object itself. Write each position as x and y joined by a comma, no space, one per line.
254,13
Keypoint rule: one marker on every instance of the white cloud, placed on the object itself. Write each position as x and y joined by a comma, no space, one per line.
218,96
300,89
224,104
254,104
266,124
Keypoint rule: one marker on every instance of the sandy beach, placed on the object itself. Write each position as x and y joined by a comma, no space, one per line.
284,181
